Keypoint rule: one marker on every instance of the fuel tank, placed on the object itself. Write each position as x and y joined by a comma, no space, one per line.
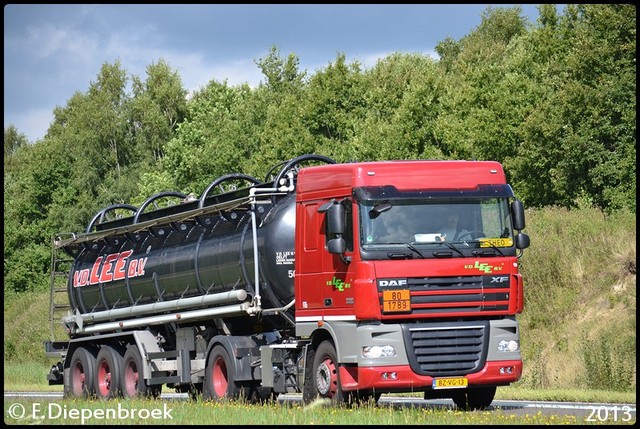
205,254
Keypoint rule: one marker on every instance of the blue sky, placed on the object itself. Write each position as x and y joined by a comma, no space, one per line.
53,51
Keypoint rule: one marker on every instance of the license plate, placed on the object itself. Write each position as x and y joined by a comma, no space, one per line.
395,301
450,383
497,242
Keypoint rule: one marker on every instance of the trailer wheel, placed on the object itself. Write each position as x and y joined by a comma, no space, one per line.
474,398
219,379
133,383
81,370
323,381
108,373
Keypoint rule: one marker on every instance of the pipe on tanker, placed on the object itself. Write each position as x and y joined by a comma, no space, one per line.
165,318
157,307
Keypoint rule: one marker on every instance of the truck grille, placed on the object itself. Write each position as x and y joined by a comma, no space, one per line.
444,350
443,296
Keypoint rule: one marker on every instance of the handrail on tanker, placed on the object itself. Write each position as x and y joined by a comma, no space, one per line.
99,217
140,226
155,197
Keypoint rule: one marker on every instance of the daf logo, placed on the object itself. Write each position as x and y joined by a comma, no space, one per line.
392,282
500,279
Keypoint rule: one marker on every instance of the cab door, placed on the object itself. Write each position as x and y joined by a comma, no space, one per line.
323,279
338,296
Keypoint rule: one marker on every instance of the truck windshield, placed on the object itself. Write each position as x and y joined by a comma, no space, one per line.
475,222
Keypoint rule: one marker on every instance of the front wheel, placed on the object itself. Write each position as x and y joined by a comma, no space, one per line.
322,380
471,399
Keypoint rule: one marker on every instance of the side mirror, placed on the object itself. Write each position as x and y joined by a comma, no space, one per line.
337,246
379,208
522,241
517,212
336,219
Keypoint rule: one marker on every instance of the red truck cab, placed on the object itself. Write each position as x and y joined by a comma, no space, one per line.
407,306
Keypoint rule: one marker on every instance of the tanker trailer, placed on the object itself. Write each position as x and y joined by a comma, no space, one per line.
150,291
338,281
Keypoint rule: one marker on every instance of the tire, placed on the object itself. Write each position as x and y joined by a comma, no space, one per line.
132,378
108,373
322,380
81,374
472,399
219,378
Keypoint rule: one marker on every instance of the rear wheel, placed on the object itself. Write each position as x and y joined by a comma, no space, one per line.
219,379
81,374
477,398
108,373
133,382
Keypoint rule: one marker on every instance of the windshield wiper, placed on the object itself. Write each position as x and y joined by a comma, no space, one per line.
412,247
485,253
452,247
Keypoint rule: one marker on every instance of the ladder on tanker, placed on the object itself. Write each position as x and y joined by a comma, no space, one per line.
58,295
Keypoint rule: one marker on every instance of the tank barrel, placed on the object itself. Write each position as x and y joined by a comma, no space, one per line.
212,251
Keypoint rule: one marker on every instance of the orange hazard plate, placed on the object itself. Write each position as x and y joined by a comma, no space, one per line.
394,301
450,383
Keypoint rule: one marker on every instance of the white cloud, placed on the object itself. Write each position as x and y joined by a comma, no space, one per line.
135,55
70,47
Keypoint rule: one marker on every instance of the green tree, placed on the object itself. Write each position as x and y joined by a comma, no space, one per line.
477,119
158,105
579,140
401,104
13,140
31,189
217,136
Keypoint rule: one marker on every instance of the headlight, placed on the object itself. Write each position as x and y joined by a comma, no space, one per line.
507,346
378,351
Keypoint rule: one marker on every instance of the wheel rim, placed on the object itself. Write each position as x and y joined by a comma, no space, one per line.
104,378
327,378
220,379
78,379
131,376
